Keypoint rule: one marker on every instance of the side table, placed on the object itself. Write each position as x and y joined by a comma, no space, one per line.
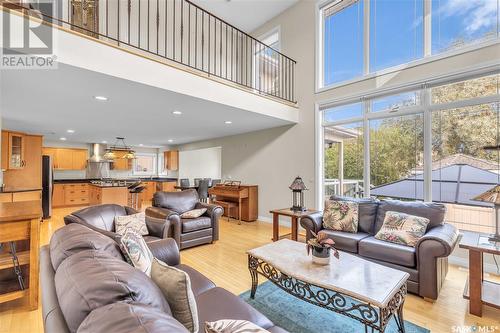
477,290
294,215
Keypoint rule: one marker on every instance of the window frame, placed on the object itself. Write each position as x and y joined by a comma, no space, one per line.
427,42
142,173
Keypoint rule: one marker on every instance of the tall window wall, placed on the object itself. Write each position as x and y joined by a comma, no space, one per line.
359,37
422,144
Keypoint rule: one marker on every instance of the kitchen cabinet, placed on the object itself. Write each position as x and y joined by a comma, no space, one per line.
58,195
120,163
67,158
5,197
75,194
167,186
26,196
149,191
13,150
171,159
108,195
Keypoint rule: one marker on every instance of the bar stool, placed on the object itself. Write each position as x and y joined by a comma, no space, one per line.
135,197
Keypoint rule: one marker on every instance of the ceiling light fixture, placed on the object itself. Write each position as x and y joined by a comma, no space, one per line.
177,113
104,141
228,122
140,145
170,140
62,139
119,146
101,98
70,131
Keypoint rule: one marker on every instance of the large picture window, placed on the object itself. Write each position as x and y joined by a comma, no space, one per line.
360,37
421,144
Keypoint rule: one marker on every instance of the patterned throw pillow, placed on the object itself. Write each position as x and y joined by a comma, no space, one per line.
341,215
401,228
176,287
233,326
134,221
136,251
193,214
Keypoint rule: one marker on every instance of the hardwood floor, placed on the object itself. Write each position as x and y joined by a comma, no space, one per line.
225,263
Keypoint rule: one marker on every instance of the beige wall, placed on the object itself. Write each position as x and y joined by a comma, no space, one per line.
272,158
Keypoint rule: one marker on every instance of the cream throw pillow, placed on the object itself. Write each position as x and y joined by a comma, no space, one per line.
136,251
233,326
193,214
401,228
134,221
341,215
176,287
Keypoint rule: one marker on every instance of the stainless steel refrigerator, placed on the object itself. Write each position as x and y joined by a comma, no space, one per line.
47,185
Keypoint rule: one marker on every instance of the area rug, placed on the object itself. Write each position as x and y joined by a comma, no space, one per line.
297,316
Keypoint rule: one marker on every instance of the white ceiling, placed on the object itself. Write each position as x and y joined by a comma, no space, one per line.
246,15
50,102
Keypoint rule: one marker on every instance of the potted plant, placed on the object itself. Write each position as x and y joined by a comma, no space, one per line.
321,246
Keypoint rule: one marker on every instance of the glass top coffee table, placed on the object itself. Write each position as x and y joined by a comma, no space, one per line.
352,286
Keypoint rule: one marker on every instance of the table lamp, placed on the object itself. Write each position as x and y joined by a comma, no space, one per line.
298,187
492,196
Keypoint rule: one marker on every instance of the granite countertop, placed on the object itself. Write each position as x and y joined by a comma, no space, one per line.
85,180
110,186
18,189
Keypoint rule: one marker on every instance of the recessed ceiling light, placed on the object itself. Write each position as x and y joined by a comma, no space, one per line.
170,140
101,98
140,145
228,122
176,112
104,141
62,139
70,131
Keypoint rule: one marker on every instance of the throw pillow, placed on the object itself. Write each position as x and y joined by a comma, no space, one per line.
233,326
136,251
134,221
193,214
401,228
176,287
341,215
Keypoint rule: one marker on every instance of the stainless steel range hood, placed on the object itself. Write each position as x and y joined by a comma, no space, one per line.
97,152
97,166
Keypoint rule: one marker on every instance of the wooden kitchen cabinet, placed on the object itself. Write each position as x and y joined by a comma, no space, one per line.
26,196
67,158
58,195
5,197
13,150
120,163
76,194
171,159
168,186
149,191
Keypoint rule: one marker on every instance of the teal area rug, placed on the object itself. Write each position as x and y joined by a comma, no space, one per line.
297,316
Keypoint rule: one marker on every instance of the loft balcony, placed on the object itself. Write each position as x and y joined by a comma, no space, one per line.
176,33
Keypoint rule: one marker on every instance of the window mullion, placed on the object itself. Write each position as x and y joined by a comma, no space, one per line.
366,37
427,28
425,98
366,150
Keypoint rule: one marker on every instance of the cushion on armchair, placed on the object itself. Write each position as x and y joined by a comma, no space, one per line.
194,213
341,216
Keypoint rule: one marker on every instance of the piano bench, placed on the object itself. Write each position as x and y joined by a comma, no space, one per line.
227,205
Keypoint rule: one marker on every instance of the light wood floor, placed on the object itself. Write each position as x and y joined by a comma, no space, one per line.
225,263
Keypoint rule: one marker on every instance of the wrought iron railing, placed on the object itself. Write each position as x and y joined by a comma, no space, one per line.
178,31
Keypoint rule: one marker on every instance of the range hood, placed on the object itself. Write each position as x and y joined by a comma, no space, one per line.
97,152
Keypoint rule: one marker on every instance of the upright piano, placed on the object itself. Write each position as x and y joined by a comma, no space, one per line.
244,196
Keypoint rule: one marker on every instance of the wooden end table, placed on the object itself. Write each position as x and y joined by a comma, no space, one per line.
477,290
294,215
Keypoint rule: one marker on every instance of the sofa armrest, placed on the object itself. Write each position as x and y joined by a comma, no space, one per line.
312,222
166,250
130,210
214,212
158,227
74,219
172,217
432,251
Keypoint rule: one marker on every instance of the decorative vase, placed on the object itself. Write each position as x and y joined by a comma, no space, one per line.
321,255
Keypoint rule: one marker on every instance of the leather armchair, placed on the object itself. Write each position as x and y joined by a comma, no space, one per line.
101,218
186,232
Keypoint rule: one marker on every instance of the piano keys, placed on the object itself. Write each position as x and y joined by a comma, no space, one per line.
245,196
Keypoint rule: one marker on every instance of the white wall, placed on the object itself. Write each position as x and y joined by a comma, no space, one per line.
200,163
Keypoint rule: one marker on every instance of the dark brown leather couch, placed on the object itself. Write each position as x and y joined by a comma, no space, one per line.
186,232
101,218
427,262
87,287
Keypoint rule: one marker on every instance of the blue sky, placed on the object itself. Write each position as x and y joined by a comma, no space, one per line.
397,32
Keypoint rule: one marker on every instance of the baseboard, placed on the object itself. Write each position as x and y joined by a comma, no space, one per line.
464,262
283,221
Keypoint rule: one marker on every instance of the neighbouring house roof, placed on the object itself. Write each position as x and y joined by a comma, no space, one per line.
456,184
462,159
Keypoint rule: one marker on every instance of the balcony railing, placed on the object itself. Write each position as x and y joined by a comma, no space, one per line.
178,31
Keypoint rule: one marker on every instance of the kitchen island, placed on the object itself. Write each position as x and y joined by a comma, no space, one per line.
108,194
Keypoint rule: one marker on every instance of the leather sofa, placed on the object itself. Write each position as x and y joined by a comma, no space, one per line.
88,287
186,232
101,218
427,262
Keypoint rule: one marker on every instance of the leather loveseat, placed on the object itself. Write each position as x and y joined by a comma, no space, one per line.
427,262
186,232
88,287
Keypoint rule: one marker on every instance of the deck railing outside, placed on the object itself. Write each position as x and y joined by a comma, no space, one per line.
178,31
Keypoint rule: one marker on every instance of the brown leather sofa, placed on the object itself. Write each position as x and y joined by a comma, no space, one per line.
427,262
186,232
88,287
101,218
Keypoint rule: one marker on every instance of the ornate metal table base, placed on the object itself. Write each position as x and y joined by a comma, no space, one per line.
373,317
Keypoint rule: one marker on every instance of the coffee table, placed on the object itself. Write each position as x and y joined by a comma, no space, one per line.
352,286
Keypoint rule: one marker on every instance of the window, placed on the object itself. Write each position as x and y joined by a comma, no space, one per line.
343,42
145,164
267,63
396,32
381,148
458,23
360,37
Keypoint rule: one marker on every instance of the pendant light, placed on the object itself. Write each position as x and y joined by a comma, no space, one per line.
121,146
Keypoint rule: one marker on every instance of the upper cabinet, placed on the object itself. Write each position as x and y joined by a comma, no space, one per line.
67,158
120,163
13,150
171,158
